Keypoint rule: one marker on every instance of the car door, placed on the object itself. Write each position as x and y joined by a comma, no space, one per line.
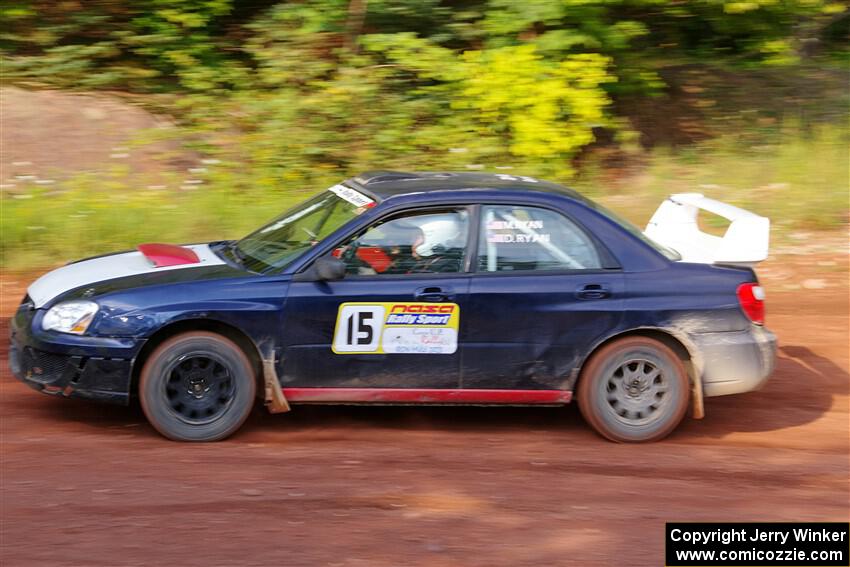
538,301
393,320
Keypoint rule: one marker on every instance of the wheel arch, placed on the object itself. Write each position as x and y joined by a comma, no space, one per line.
678,342
242,340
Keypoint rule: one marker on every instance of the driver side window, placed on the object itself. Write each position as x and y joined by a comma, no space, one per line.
414,243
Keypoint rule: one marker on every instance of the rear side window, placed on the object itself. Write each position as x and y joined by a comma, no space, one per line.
519,238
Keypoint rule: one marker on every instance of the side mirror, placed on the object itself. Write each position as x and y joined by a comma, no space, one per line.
329,269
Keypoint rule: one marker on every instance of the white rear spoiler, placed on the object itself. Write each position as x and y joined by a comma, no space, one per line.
675,225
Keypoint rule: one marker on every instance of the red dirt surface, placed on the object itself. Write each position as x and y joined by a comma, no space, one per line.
85,484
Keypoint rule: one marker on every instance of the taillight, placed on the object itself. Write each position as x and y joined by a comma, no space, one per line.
751,298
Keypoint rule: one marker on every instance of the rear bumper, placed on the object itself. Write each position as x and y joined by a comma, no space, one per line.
736,362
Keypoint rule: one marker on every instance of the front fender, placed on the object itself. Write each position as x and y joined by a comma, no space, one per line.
142,323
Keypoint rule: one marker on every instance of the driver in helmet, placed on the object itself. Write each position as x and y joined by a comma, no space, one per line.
437,244
420,244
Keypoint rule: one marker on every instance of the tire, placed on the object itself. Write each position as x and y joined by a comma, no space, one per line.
197,386
634,390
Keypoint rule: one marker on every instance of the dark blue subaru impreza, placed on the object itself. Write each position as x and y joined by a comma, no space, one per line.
415,288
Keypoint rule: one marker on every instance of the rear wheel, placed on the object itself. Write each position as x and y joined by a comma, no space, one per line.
197,386
634,389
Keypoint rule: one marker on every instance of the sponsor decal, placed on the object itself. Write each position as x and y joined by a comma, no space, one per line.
515,231
505,177
514,224
356,198
518,238
396,328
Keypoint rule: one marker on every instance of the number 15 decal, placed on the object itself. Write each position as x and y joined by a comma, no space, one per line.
358,328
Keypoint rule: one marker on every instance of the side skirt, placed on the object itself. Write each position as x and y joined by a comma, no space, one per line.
425,396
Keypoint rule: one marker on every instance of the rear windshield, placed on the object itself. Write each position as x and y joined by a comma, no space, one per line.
668,253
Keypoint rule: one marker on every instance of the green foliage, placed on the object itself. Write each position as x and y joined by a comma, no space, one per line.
142,45
292,94
798,181
546,109
300,63
200,45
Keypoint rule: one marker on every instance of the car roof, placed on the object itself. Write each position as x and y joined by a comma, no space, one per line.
386,184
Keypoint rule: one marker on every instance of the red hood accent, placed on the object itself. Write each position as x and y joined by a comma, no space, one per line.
168,254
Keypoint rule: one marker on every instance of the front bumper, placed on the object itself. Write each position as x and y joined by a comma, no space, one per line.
736,362
93,368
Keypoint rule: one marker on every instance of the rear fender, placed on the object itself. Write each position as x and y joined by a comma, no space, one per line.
695,363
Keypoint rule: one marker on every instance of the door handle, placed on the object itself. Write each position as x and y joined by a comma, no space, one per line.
593,291
432,294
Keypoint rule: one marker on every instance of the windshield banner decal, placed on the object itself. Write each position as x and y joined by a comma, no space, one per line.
354,197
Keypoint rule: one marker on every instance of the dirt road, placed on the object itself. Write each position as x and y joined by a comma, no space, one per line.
85,484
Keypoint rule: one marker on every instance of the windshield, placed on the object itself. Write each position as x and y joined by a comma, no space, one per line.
669,253
300,228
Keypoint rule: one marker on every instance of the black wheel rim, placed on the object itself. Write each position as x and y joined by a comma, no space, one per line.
199,388
637,391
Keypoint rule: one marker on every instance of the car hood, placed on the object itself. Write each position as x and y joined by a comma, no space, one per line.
149,259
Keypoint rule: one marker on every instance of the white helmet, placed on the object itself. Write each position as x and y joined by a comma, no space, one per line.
437,231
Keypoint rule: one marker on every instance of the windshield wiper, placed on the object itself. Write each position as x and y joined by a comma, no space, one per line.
236,252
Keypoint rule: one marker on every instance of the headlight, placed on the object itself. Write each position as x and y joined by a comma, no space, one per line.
70,317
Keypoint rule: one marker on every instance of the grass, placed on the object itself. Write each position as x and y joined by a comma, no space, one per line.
800,182
94,214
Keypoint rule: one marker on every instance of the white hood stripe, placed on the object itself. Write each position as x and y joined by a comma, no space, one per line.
87,272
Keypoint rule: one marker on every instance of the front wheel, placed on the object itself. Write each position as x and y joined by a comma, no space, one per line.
197,386
633,390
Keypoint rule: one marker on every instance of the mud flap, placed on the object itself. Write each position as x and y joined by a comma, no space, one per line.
274,399
697,405
695,367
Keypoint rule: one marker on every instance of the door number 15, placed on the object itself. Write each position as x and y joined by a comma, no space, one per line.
359,328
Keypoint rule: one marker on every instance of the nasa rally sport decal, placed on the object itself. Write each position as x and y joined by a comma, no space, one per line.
396,328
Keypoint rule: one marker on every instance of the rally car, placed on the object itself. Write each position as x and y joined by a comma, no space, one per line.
415,288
